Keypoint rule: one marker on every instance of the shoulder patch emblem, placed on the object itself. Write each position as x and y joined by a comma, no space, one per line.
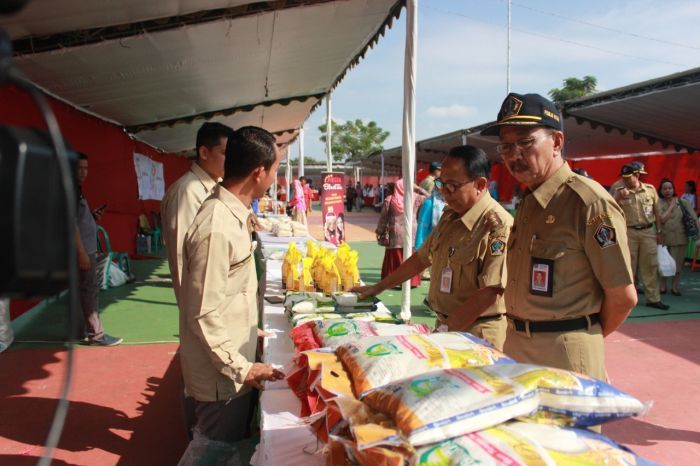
605,236
497,247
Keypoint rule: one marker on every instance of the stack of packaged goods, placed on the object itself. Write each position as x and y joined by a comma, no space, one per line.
408,397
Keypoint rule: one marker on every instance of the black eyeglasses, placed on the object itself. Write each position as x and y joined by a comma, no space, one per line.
523,144
449,186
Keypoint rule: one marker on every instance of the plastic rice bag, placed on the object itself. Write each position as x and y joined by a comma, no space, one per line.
376,361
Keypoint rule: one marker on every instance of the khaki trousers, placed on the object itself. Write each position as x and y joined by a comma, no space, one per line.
493,331
642,245
579,350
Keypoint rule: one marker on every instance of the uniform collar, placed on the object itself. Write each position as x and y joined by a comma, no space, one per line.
231,201
204,177
546,191
474,214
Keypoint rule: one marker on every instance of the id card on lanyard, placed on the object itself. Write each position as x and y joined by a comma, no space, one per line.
446,275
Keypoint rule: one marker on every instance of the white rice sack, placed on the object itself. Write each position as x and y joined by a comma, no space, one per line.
333,333
443,404
377,361
520,443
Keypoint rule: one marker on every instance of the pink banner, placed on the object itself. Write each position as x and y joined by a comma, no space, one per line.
333,207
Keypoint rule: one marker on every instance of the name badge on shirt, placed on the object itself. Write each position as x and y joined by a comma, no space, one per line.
446,280
541,277
648,210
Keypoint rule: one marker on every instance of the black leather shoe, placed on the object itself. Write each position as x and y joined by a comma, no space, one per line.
659,305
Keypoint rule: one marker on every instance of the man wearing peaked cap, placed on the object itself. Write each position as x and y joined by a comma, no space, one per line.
640,201
569,274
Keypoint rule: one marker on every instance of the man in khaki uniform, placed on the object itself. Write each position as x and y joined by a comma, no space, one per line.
218,304
429,182
184,197
467,251
569,273
639,202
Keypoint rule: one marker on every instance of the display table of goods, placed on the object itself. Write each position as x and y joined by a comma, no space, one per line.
365,389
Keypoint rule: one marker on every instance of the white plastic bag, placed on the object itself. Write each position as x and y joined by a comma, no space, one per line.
667,266
6,335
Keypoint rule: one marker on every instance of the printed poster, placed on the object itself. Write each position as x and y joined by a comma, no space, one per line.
333,207
149,175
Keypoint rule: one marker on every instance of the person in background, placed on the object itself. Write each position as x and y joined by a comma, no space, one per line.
582,172
467,251
673,231
690,195
349,197
359,197
569,275
391,220
88,283
639,203
428,184
298,203
219,310
184,197
308,196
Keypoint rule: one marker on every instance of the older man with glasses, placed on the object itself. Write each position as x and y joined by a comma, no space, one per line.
467,250
569,271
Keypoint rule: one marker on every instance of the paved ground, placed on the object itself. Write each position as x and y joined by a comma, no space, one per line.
126,410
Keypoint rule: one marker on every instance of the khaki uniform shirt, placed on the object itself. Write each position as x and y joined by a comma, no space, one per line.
428,183
673,231
178,209
568,244
474,247
219,311
639,205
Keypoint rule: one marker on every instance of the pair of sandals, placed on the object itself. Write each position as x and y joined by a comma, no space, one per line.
673,292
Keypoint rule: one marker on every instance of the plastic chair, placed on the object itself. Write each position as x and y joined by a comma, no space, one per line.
106,254
696,260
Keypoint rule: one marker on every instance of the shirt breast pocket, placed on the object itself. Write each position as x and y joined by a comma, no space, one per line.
465,264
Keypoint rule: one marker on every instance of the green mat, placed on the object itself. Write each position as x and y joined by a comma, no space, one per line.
140,312
145,312
682,307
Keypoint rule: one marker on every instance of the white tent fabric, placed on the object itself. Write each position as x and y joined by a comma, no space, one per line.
409,143
223,67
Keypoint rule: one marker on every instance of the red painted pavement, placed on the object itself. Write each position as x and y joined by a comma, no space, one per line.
659,361
125,406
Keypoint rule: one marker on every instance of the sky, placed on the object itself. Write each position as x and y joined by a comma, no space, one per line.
462,56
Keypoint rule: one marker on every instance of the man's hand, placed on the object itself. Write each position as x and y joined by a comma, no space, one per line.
260,372
263,334
364,292
83,261
97,213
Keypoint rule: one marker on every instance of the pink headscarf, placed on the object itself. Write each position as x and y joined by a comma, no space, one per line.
397,197
298,200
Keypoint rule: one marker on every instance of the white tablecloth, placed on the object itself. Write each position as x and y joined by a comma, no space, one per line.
284,438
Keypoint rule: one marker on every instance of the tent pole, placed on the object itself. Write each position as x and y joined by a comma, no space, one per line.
408,155
301,151
329,133
381,198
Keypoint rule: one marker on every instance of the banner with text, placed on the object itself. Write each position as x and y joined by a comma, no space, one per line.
333,206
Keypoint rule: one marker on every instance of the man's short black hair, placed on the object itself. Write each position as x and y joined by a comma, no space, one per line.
210,134
475,160
247,149
82,156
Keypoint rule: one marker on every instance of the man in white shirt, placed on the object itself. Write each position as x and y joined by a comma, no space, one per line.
185,196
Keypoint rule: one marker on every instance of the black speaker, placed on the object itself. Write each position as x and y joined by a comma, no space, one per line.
34,231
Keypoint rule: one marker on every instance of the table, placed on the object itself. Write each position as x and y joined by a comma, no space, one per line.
284,437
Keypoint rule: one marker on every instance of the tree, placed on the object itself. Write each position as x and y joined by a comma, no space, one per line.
354,138
573,88
307,161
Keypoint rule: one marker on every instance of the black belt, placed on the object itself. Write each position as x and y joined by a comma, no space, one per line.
642,227
555,325
480,320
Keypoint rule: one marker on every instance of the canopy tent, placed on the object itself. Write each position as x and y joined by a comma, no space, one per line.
651,117
161,68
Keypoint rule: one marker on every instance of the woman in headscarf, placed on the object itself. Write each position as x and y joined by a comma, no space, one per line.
390,227
298,203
